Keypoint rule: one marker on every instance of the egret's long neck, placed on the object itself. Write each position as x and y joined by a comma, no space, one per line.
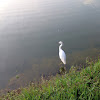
60,47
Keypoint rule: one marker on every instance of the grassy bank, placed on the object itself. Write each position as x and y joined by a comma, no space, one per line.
75,85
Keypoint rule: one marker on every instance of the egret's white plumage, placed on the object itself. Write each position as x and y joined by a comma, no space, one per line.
62,54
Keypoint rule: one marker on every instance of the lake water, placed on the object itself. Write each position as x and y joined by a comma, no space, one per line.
31,29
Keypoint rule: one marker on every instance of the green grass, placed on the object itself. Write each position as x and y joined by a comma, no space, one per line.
75,85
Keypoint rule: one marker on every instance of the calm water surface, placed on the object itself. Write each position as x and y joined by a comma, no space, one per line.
32,28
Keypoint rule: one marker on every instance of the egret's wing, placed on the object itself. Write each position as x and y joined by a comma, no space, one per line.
62,56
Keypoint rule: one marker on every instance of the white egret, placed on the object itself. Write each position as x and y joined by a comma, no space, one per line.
62,54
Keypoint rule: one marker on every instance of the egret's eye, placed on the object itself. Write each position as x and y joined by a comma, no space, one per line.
60,42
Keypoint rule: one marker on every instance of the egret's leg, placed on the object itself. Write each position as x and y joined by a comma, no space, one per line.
61,64
62,68
65,68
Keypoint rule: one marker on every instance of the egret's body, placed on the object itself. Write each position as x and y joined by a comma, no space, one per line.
62,54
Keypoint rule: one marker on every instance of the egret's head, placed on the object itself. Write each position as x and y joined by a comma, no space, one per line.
60,42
